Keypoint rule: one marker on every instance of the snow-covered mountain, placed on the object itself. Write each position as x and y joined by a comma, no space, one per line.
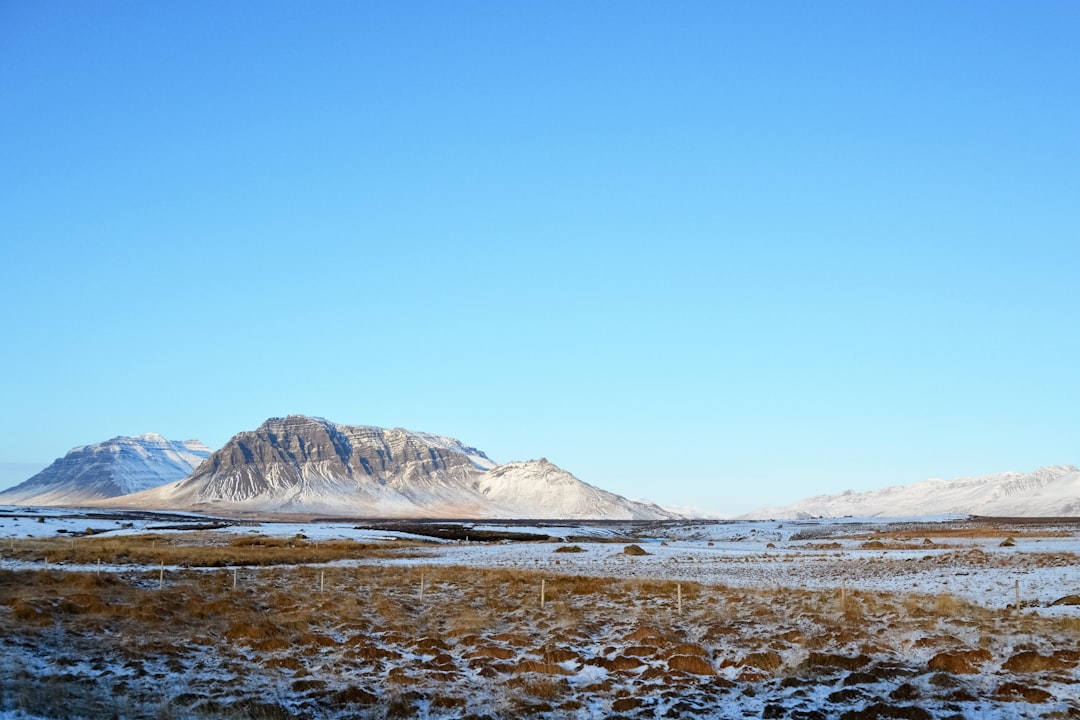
523,488
1052,491
115,467
309,465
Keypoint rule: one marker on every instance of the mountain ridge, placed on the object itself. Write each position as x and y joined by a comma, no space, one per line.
1049,491
302,464
112,468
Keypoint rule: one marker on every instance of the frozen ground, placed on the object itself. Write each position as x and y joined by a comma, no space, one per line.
1041,561
767,554
805,620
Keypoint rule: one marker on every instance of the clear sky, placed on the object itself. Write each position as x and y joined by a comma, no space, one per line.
723,254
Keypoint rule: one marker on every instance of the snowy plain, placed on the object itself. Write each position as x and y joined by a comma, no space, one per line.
746,566
812,554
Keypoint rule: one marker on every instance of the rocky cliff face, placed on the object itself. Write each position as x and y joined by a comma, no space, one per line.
109,469
310,464
304,464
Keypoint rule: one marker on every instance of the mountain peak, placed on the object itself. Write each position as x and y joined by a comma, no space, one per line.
305,464
109,469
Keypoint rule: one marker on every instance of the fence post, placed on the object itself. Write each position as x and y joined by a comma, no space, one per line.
678,590
543,588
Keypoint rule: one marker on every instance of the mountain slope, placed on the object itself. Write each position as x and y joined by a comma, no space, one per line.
109,469
519,488
1052,491
310,465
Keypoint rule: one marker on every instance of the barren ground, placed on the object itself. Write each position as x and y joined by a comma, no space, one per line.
729,620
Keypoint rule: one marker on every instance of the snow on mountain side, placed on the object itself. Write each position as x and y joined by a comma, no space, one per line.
115,467
1052,491
477,457
305,464
694,511
538,489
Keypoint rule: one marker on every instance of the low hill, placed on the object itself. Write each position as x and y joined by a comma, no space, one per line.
1052,491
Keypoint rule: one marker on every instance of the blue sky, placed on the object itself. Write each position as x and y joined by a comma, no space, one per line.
709,253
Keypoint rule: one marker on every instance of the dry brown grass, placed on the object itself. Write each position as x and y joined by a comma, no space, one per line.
203,549
329,634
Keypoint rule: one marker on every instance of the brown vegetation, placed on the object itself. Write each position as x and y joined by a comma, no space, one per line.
361,640
200,549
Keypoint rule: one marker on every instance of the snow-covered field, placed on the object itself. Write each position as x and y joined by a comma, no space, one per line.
767,554
854,619
819,555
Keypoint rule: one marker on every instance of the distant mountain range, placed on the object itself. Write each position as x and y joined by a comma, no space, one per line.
308,465
115,467
1052,491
